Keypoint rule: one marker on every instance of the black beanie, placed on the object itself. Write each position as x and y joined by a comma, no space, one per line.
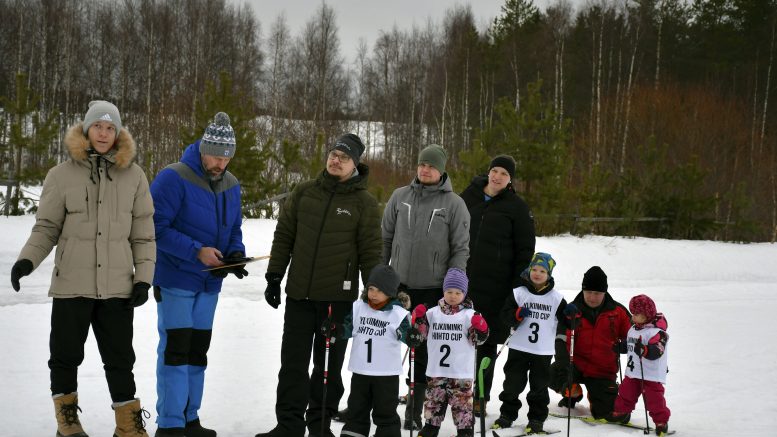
595,279
350,144
385,279
506,162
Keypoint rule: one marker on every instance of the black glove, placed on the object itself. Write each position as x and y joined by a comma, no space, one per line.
272,294
23,267
238,270
332,329
139,295
619,347
414,337
640,349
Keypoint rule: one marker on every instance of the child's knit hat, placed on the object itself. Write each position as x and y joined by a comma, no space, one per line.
385,279
456,278
543,260
641,304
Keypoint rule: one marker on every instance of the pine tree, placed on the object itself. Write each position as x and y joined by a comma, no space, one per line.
30,136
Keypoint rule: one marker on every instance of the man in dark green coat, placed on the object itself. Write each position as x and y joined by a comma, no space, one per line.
328,232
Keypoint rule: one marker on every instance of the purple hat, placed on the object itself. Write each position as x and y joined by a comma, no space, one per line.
456,278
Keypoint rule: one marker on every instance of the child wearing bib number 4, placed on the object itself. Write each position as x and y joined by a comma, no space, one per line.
378,323
534,310
647,364
452,330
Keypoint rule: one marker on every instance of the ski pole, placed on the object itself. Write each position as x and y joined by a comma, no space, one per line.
326,371
569,376
484,363
644,402
412,383
617,353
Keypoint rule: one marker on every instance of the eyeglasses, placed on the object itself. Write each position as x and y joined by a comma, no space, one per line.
342,157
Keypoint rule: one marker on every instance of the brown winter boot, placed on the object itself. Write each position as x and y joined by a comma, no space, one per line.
66,409
129,419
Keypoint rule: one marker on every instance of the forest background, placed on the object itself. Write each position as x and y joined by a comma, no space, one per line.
652,117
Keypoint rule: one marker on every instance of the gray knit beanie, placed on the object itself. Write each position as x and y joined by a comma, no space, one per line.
435,156
385,279
100,110
219,138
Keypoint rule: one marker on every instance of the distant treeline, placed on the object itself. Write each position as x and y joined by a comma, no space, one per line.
622,109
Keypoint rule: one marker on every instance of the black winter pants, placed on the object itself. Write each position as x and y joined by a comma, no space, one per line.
111,322
378,394
518,365
601,391
297,390
428,297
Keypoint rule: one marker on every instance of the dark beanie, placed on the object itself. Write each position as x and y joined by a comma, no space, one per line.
506,162
385,279
350,144
595,279
435,156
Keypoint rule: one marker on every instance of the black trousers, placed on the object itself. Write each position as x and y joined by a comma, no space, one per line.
523,367
485,350
378,394
111,322
602,392
428,297
297,390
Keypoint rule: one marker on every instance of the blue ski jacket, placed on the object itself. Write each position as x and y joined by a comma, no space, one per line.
191,212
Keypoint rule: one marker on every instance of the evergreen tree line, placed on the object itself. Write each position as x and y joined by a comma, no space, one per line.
653,116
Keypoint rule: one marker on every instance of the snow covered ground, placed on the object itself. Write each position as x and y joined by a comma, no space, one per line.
720,300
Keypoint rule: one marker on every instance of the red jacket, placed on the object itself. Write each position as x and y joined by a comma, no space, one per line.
596,333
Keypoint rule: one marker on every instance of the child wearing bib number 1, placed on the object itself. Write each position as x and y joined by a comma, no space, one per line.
452,330
533,310
378,324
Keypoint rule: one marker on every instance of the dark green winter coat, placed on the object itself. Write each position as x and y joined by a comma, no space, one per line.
327,232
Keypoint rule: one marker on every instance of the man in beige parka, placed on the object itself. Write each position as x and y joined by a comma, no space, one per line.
96,209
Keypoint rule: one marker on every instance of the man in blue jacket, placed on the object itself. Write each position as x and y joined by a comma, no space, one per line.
197,219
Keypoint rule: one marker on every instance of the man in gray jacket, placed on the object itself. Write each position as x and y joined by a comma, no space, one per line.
425,232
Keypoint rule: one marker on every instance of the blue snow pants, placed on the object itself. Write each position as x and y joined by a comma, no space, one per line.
185,321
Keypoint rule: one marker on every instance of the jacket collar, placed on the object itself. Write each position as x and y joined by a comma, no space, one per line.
121,155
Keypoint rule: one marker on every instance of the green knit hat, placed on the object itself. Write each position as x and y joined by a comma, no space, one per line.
435,156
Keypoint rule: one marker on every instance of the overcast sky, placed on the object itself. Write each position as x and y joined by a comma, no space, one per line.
365,18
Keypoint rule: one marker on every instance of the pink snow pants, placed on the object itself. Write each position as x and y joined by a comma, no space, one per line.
628,395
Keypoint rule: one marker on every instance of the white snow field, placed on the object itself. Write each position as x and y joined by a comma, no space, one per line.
720,300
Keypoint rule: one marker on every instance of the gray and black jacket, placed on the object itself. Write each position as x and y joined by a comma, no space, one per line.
425,232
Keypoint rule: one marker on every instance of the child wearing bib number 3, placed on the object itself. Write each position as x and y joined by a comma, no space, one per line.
534,310
452,330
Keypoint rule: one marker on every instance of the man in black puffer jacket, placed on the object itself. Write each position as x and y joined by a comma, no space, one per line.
501,245
328,232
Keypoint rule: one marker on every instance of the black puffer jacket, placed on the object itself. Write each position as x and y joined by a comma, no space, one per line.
501,245
328,231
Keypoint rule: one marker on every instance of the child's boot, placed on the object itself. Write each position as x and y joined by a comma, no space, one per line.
662,429
464,433
66,410
129,419
534,427
502,422
429,430
618,417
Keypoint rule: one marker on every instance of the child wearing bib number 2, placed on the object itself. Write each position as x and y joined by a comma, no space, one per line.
533,310
452,330
378,323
